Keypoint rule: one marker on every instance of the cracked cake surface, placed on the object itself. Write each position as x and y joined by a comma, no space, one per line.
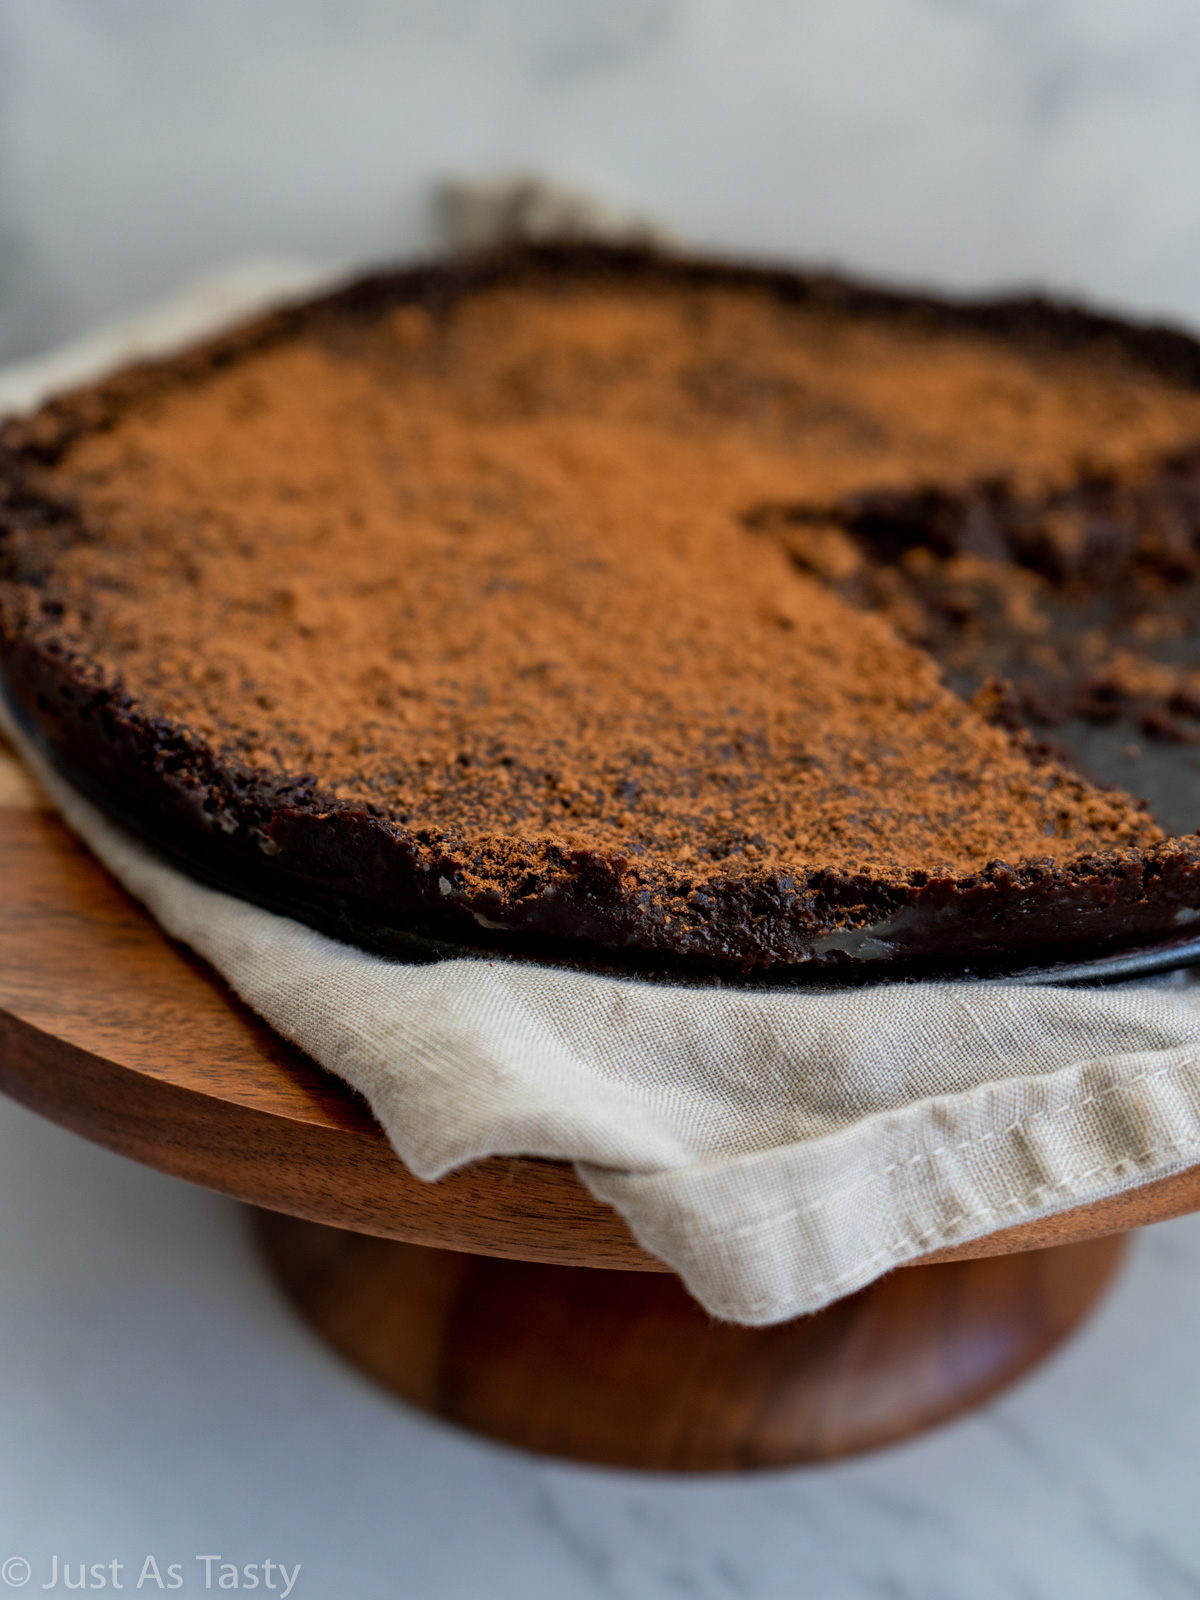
591,601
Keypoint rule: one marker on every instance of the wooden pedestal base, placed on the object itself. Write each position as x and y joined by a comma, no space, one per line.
109,1029
625,1369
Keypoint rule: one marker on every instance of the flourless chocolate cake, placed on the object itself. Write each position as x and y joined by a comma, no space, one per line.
649,613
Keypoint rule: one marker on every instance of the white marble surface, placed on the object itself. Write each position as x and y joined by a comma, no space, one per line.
157,1398
962,141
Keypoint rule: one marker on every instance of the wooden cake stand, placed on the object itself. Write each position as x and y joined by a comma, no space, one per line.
478,1297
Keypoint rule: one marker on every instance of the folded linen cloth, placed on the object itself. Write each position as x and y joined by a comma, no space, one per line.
777,1149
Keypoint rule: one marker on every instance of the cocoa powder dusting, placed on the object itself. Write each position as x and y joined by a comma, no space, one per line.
493,574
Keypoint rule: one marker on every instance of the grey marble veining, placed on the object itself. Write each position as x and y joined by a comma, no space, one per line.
158,1398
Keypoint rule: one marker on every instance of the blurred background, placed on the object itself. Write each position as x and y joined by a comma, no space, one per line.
155,1394
965,143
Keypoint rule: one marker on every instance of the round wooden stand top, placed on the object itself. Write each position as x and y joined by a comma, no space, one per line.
110,1029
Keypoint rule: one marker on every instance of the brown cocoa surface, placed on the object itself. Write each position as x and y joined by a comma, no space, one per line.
499,574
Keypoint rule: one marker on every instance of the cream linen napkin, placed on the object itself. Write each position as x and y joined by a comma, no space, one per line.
778,1150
